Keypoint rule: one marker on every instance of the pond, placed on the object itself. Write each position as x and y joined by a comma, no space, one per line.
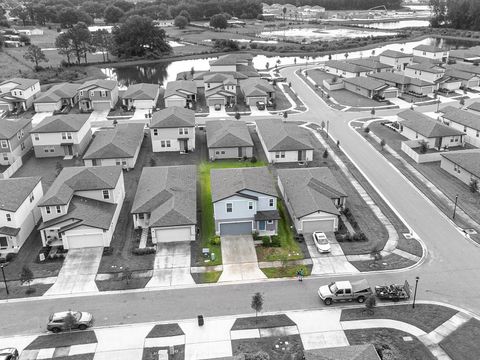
309,34
392,25
164,71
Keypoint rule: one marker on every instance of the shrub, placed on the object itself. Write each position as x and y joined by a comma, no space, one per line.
10,257
275,241
215,240
144,251
253,45
266,242
253,160
359,236
366,130
30,290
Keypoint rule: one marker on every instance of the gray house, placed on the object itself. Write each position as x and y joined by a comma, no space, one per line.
228,139
244,201
313,198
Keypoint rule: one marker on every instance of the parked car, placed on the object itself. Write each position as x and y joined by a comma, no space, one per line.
260,105
8,354
345,291
218,107
321,242
58,321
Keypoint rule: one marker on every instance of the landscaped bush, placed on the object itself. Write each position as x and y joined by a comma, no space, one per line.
107,251
10,257
215,240
359,237
253,160
270,241
144,251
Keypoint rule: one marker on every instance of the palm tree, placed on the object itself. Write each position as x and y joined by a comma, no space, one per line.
346,56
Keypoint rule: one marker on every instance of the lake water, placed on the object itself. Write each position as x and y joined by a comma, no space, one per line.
162,72
392,25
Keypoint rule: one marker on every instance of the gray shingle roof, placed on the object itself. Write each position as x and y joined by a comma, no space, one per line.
10,127
173,117
370,63
141,91
465,68
80,178
346,66
180,87
469,160
425,125
256,87
395,54
311,190
474,106
58,92
427,67
459,74
169,194
462,117
14,191
102,83
61,123
122,141
227,133
23,84
399,79
217,78
232,59
351,352
229,182
283,136
366,82
429,48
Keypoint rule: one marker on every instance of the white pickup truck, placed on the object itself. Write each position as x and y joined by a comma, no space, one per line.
345,291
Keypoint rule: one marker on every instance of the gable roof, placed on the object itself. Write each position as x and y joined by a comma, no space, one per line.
122,141
169,194
427,67
227,133
10,127
180,88
218,90
474,106
311,190
230,182
101,83
58,92
14,191
61,123
256,87
282,136
399,79
472,69
80,178
217,78
366,82
22,84
429,48
395,54
141,91
370,63
458,74
346,66
351,352
232,59
469,160
173,117
462,117
425,125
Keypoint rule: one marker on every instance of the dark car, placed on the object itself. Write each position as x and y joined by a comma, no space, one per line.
8,354
260,105
59,321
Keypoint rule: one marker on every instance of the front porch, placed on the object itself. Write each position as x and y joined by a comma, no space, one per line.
266,222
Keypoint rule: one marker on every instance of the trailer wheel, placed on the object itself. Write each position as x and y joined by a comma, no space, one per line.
327,301
361,299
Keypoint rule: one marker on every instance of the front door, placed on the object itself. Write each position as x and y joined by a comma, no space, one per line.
301,155
94,162
240,152
68,149
438,143
183,145
262,225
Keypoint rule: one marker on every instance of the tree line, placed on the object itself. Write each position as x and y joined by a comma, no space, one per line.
341,4
457,14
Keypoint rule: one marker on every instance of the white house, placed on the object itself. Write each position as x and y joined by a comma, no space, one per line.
228,139
117,146
313,198
346,69
18,211
464,165
17,94
61,135
15,139
425,71
98,95
57,97
173,129
166,203
244,201
431,52
467,79
284,142
398,60
463,121
141,96
231,62
82,206
180,93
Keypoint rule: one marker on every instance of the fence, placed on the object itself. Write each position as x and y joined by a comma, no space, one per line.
11,169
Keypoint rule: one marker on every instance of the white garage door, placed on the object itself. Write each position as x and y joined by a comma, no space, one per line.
143,104
253,100
173,234
175,102
101,105
84,241
318,225
45,107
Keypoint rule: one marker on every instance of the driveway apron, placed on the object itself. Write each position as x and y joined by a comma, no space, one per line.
172,265
239,259
217,113
78,272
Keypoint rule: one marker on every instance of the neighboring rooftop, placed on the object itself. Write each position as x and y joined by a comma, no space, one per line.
168,194
462,117
61,123
173,117
229,182
14,191
395,54
141,91
181,88
459,74
429,48
425,125
227,133
58,92
102,83
256,87
22,84
474,106
10,127
469,160
427,67
283,136
399,79
346,66
370,63
366,82
232,59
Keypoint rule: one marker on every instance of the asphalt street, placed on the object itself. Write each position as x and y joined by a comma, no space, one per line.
449,274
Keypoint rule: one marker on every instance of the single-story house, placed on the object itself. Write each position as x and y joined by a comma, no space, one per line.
118,146
257,90
57,97
82,206
173,129
228,139
166,203
399,60
370,88
284,142
468,80
417,126
405,83
313,197
345,69
431,52
18,211
464,121
141,96
464,164
181,93
351,352
244,201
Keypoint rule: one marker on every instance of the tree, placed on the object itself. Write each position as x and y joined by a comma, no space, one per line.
26,276
153,162
237,115
473,185
80,41
370,304
192,71
62,43
423,147
113,14
94,9
124,5
284,11
181,22
329,56
41,14
127,274
462,102
218,21
102,41
69,321
58,167
346,56
35,54
68,16
20,12
325,154
257,303
372,112
186,15
366,130
285,116
383,143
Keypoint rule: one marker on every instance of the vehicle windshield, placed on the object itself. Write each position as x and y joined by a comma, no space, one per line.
77,315
333,288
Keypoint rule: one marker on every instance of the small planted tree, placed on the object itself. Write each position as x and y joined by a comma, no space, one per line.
58,167
370,304
322,124
473,185
366,130
383,143
372,112
127,274
462,102
257,303
26,277
237,115
285,116
423,147
153,162
325,154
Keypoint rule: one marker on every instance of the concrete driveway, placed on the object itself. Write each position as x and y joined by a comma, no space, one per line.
172,265
239,259
38,117
258,112
98,116
217,113
78,272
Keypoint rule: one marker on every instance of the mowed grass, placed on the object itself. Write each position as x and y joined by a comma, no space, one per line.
207,220
286,271
463,342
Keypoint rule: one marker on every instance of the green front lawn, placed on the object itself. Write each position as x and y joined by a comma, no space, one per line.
210,277
207,222
286,271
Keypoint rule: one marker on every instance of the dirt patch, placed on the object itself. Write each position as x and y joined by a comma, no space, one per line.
278,348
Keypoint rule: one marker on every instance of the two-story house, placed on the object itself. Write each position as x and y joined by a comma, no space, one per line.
431,52
82,206
15,139
57,97
220,90
61,135
98,95
173,129
17,94
231,63
181,93
425,71
166,203
244,201
398,60
372,64
465,121
141,96
18,211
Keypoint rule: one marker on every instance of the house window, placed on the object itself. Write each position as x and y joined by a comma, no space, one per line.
58,209
271,203
5,156
64,136
81,92
250,205
19,136
416,135
47,209
464,129
3,242
46,149
103,93
217,152
106,194
92,93
162,143
36,137
4,144
155,132
32,197
168,143
69,136
229,207
269,221
180,131
141,216
9,217
22,146
222,152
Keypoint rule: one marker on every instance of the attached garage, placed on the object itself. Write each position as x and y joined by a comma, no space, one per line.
390,93
252,101
47,107
473,83
212,101
325,225
77,241
240,228
164,235
181,102
4,107
143,104
101,105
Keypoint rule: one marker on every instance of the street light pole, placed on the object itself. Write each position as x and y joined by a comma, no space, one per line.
455,207
4,280
328,122
415,293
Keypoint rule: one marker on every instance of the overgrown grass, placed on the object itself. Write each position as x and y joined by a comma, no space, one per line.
286,271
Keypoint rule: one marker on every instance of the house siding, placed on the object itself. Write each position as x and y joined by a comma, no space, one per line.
450,141
229,153
461,174
473,135
173,135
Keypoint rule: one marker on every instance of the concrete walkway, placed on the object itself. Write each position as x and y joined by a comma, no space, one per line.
239,259
172,265
78,272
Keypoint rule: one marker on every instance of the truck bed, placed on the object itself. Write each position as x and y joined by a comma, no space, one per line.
360,285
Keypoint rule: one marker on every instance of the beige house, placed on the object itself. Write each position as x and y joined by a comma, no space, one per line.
180,93
464,165
173,129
